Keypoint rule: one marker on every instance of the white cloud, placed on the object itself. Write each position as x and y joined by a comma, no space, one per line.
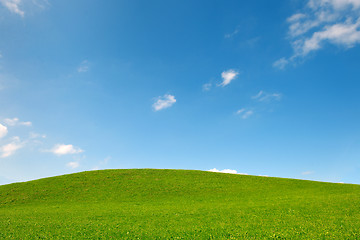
10,148
343,34
247,114
28,124
33,135
337,4
258,95
296,17
323,22
11,121
163,102
63,149
15,121
13,6
207,87
240,111
307,173
244,114
228,76
281,63
84,67
28,139
18,6
223,171
3,131
73,165
266,97
226,171
262,97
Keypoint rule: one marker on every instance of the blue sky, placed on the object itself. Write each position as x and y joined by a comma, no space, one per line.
256,87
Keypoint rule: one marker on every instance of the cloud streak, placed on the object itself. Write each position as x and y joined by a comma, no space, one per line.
267,97
15,121
84,67
322,22
307,173
163,102
244,113
281,63
230,35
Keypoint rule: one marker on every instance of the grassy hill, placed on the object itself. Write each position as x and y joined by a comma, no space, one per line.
177,204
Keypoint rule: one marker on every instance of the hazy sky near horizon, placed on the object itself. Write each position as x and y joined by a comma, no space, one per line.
257,87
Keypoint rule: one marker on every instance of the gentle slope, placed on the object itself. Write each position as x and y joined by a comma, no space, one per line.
163,204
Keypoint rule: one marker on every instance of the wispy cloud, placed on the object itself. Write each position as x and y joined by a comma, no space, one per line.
102,163
163,102
10,148
240,111
15,122
334,22
73,165
84,66
20,6
252,41
307,173
3,131
63,149
33,135
13,6
281,63
228,76
232,34
247,114
41,3
244,113
262,97
226,171
207,86
266,97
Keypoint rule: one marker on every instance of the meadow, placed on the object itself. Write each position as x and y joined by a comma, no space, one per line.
177,204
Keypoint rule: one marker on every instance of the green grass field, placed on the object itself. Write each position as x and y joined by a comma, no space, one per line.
177,204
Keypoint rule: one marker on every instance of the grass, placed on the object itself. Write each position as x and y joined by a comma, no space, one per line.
177,204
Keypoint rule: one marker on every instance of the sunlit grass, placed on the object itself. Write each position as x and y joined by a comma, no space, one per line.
177,204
